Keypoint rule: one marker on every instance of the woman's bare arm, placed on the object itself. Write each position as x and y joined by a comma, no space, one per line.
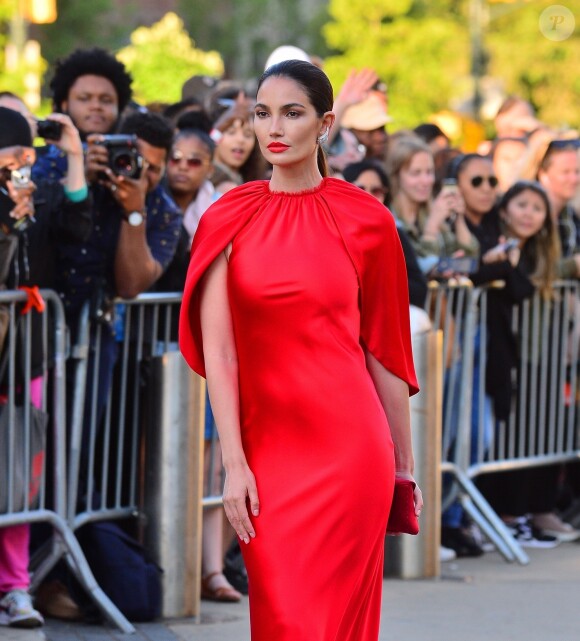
221,366
393,393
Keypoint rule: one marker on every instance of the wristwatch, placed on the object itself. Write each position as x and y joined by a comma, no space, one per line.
135,218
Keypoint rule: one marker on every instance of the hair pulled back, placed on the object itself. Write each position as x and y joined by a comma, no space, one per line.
316,86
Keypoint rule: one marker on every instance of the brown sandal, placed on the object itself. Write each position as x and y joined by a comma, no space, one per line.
223,593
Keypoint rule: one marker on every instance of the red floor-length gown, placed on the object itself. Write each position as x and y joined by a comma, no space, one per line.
312,277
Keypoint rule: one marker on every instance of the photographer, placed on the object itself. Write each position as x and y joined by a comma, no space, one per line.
93,88
41,215
124,254
33,217
135,233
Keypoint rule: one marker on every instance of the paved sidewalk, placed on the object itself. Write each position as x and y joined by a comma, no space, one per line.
475,600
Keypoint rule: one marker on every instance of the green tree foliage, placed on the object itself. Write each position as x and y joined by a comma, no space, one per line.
80,24
422,50
422,55
161,58
19,75
532,66
245,32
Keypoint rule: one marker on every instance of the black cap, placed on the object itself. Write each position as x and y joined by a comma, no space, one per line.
14,129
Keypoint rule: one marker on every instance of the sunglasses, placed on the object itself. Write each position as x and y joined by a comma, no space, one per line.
477,181
377,192
192,161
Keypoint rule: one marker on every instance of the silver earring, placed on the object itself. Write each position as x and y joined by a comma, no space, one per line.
323,137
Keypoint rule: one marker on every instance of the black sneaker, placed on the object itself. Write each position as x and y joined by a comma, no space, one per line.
528,536
460,541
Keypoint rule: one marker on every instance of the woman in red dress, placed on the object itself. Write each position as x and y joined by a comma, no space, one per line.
296,310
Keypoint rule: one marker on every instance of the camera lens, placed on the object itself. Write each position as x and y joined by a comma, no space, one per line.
123,165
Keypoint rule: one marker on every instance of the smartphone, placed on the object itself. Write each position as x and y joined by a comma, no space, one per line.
449,185
462,265
20,178
510,243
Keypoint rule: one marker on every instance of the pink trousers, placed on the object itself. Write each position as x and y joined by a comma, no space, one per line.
14,539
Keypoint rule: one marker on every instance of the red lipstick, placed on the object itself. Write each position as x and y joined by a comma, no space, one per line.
278,147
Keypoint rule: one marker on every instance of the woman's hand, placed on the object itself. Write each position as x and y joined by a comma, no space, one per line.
418,495
502,252
70,140
240,485
16,156
444,207
357,86
241,111
22,198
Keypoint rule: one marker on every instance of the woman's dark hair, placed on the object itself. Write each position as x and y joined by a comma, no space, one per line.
428,132
542,251
459,163
93,62
200,134
525,185
194,119
175,109
316,85
351,172
152,128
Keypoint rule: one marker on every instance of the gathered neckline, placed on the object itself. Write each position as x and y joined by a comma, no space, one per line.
302,192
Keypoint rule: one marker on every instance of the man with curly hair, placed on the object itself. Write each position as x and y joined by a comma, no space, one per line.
93,88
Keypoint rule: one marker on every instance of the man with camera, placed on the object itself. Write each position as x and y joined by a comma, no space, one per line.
136,224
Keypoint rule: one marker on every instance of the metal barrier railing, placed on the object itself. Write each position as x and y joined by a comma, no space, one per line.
472,444
544,422
454,308
108,415
135,444
35,484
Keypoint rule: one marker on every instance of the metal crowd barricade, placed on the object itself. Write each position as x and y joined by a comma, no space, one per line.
454,308
33,478
141,454
544,423
105,454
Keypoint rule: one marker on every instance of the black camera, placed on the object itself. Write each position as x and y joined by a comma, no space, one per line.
49,129
124,157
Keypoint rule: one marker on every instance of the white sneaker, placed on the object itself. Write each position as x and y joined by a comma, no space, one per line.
551,524
446,554
17,611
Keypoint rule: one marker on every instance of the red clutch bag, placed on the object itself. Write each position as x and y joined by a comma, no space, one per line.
402,518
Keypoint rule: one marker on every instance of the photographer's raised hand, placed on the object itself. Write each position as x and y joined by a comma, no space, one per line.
16,156
130,193
96,158
22,197
70,142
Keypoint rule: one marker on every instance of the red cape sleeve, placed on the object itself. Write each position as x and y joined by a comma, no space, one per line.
217,228
370,235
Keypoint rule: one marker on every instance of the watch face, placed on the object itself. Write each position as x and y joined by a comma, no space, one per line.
135,218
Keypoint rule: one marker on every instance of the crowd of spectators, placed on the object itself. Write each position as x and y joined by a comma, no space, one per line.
107,230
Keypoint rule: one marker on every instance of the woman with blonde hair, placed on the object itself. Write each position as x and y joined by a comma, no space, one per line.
436,226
